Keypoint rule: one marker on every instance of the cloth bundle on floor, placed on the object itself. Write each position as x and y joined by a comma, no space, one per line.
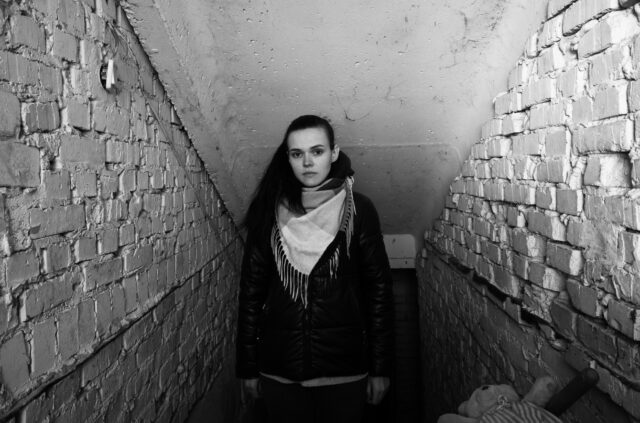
502,404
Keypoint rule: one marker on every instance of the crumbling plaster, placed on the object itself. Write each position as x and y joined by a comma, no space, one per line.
407,84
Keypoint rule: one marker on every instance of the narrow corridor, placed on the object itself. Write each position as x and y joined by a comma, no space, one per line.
500,138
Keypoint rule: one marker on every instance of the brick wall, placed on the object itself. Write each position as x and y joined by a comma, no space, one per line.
534,265
118,260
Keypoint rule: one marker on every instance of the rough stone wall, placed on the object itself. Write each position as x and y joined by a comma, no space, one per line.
118,260
534,265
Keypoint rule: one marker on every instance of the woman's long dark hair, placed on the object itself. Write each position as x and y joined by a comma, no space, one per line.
279,184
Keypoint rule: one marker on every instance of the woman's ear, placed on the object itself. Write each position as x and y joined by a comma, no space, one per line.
335,153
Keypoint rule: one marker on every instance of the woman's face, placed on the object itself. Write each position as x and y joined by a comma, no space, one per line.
310,155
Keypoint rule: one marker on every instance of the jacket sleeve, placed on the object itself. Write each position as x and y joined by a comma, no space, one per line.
379,295
251,299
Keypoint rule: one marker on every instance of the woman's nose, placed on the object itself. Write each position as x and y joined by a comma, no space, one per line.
307,160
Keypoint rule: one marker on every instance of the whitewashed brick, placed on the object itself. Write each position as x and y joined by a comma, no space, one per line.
634,96
26,31
56,257
556,6
498,147
494,191
97,274
623,317
546,198
76,114
490,129
635,173
57,185
114,210
564,258
483,170
501,103
569,201
467,171
582,110
531,46
10,116
608,170
41,117
629,247
484,268
608,65
65,45
513,123
56,220
525,168
127,181
550,59
584,298
555,170
546,277
610,101
491,251
520,266
483,228
86,183
528,244
550,33
613,29
108,184
21,267
615,136
507,282
557,143
108,241
546,114
594,207
508,102
501,168
75,149
549,226
539,91
474,188
481,207
157,179
521,74
579,233
572,82
520,194
479,151
615,205
584,10
138,258
527,144
20,165
152,156
85,249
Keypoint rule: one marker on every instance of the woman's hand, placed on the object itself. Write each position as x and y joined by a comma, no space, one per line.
377,388
250,389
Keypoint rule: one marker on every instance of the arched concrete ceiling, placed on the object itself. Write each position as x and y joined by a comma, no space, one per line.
407,84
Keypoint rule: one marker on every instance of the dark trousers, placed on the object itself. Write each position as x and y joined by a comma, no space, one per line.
323,404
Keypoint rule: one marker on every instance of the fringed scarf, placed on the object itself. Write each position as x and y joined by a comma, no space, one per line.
298,241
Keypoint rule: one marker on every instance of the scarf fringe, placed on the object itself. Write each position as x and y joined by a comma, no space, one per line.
295,282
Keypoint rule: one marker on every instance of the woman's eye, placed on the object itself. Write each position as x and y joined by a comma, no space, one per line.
318,152
295,155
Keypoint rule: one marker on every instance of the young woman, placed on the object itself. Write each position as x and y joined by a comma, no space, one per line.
315,329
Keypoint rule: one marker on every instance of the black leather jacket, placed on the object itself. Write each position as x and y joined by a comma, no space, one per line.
346,328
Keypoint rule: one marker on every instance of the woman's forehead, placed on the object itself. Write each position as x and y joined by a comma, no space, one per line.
304,139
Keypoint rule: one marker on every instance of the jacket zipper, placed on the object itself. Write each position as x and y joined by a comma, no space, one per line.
306,335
